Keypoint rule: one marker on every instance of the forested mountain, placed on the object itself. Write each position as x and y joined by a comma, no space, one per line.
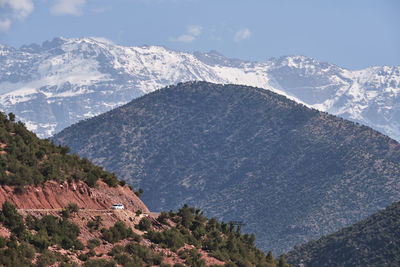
240,153
60,82
374,241
25,159
42,225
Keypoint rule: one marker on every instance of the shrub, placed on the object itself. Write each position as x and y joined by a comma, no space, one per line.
144,224
170,238
95,224
65,213
73,207
162,218
11,219
118,232
92,243
139,193
46,258
52,230
83,257
144,253
116,250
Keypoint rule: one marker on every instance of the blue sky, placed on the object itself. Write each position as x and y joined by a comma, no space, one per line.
350,33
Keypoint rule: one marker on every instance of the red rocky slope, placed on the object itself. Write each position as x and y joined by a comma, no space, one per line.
54,195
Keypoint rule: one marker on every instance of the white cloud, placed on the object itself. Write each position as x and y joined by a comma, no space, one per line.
68,7
195,30
14,10
5,25
185,38
191,34
242,34
20,8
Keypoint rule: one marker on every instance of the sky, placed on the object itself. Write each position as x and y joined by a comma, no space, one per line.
350,33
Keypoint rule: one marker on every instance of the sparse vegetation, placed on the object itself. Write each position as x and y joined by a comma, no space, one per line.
51,230
218,239
374,241
30,160
44,239
217,142
221,240
20,249
95,224
117,232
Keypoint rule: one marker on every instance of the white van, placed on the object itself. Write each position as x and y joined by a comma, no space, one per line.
117,207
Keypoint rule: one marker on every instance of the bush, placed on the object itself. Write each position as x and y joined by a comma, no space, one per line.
12,219
92,243
83,257
139,193
52,230
170,238
163,217
144,253
118,249
116,233
95,224
73,207
46,258
65,213
144,224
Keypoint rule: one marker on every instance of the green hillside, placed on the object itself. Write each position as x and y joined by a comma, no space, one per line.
26,159
240,153
374,241
49,237
53,239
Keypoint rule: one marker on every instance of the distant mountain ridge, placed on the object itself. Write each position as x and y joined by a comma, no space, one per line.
241,153
374,241
60,82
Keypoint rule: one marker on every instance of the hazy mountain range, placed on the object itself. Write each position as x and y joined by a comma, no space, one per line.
60,82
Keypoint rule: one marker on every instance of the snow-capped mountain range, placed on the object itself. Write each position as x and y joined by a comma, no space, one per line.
60,82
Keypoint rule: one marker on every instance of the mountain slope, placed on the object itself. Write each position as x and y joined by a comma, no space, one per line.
375,241
55,211
26,159
63,81
245,154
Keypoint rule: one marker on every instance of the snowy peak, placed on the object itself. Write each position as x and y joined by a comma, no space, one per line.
52,85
